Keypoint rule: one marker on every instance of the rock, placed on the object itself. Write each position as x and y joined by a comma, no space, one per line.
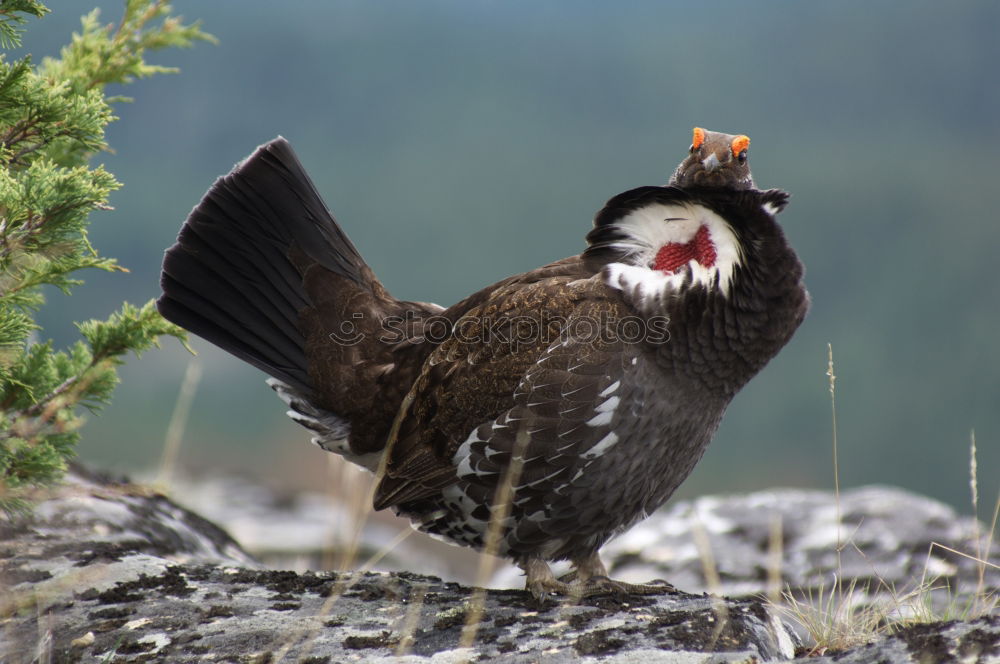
308,530
210,613
107,571
93,518
893,528
974,642
890,542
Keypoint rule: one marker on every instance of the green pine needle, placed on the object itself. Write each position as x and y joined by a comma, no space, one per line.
52,122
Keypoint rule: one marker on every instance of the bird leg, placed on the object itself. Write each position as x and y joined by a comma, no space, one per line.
589,578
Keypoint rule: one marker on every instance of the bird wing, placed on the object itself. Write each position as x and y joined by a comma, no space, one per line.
542,359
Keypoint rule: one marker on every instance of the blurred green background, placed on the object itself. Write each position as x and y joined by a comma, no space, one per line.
460,142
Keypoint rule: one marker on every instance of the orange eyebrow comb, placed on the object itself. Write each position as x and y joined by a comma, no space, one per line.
739,144
698,139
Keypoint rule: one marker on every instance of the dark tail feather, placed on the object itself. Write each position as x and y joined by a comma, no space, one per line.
229,278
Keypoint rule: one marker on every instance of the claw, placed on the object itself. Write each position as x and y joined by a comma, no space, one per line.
540,581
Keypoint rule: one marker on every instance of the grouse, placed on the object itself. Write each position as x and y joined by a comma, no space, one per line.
538,417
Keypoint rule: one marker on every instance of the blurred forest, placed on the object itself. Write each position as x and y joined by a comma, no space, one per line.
461,142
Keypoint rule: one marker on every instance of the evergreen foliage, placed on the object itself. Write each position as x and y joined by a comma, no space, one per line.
52,120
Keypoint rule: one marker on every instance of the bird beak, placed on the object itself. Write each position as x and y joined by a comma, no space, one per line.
711,163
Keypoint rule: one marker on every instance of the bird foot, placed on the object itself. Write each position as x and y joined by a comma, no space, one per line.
602,585
543,589
541,583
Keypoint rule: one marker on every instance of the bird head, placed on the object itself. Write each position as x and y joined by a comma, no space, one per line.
715,160
654,241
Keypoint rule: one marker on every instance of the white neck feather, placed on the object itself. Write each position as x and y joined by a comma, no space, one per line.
651,227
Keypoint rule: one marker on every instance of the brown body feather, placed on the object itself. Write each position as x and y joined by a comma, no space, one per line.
472,376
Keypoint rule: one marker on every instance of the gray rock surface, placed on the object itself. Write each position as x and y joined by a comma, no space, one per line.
93,517
111,572
889,542
885,538
973,642
159,612
107,571
311,530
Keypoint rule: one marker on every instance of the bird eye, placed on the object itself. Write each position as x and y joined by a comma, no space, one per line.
742,157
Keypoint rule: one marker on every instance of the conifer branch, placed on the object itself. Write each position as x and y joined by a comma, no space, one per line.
52,120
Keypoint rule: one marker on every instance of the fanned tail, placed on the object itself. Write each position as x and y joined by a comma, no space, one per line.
235,274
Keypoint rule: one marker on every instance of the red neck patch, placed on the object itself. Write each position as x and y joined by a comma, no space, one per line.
672,256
